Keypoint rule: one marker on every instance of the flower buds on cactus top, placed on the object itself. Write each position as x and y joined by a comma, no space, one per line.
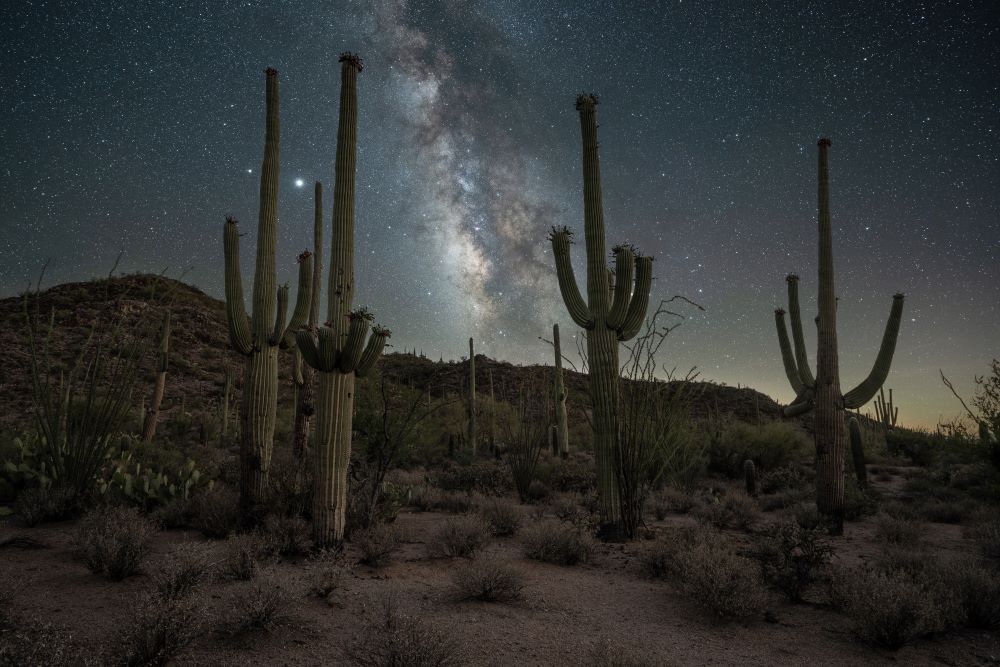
352,58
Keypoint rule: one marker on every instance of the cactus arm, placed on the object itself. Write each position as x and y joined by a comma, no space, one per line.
864,392
279,316
236,312
373,350
317,255
307,347
640,299
787,356
265,279
803,404
303,300
795,315
355,345
624,267
568,286
327,350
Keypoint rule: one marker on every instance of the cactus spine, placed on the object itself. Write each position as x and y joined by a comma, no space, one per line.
340,353
885,411
472,398
858,453
609,318
258,336
823,392
562,427
162,358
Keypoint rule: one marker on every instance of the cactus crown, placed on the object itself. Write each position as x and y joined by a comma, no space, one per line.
270,71
361,313
304,255
823,142
352,58
626,246
558,231
586,101
779,311
792,278
230,220
380,330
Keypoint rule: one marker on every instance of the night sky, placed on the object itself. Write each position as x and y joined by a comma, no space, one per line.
142,127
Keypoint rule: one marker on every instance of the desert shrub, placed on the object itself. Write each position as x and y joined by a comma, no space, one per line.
503,517
607,653
114,541
557,542
376,543
156,631
716,577
986,535
246,555
891,608
486,477
895,530
328,572
734,510
187,568
808,516
488,580
288,535
456,502
658,559
395,639
785,478
567,508
793,557
459,537
38,643
216,511
784,499
423,497
978,593
536,492
174,513
263,606
44,503
770,446
858,502
671,500
573,477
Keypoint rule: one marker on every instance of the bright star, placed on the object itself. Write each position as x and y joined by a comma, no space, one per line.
299,182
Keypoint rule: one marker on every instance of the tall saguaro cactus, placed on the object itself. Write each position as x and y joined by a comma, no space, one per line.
822,392
562,427
258,335
608,318
472,399
340,354
162,358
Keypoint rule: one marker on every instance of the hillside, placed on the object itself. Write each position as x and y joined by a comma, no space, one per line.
200,352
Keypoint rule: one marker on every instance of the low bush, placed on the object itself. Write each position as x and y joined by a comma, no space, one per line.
263,606
986,535
114,541
734,510
978,592
488,580
770,446
573,477
486,477
785,478
376,543
459,537
395,639
670,500
184,571
893,530
216,511
858,503
288,535
557,542
37,504
793,557
503,517
156,630
246,555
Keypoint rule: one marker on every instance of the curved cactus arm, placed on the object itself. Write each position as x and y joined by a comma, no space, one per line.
354,346
624,268
800,407
787,356
376,343
640,299
279,316
795,315
236,311
308,349
864,392
327,349
575,304
303,300
297,378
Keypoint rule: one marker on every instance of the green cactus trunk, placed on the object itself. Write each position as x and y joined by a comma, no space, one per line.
858,453
159,386
341,353
609,317
750,478
227,391
472,399
562,424
823,393
258,337
305,380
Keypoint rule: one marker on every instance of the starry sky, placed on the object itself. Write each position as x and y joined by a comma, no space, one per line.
140,126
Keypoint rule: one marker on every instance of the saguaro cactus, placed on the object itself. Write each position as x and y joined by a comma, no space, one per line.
224,397
472,399
823,392
858,453
885,411
258,336
162,358
608,318
341,353
562,427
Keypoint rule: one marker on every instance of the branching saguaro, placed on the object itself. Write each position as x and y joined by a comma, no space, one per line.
343,349
162,359
258,335
822,392
608,317
886,412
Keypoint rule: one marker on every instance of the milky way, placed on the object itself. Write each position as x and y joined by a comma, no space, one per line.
142,127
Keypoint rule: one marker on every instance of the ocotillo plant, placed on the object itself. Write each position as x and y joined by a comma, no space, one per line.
162,358
885,411
258,336
341,353
304,395
858,453
823,392
472,399
608,319
562,428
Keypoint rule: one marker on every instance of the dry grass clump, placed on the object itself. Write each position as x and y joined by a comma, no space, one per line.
735,509
263,606
395,639
557,542
184,571
670,500
37,643
488,580
114,541
459,537
288,535
503,517
978,593
37,504
897,530
986,535
376,543
794,558
216,511
156,630
328,573
246,555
